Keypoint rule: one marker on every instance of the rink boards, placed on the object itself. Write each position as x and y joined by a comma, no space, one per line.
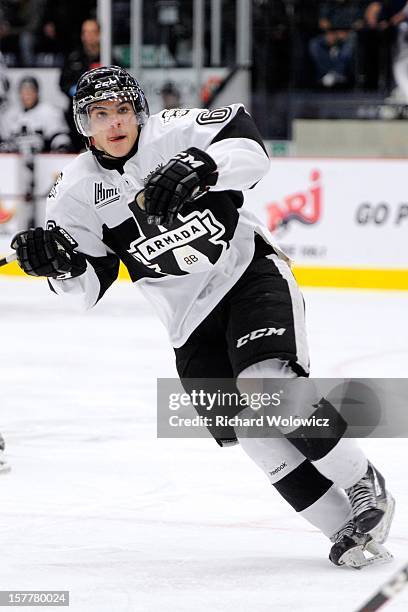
343,222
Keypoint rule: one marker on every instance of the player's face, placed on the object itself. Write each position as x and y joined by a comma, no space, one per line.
28,96
114,127
90,34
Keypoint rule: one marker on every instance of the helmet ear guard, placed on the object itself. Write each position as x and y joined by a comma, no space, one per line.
109,83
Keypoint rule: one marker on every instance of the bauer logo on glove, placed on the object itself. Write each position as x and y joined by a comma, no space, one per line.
183,178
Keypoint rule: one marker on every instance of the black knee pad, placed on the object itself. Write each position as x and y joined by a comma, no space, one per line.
315,442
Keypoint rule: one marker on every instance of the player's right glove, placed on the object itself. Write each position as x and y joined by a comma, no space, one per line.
49,253
183,178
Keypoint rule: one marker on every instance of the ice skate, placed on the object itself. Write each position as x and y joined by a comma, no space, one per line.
353,549
373,507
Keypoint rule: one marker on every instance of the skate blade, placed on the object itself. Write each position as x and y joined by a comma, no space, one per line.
362,556
380,532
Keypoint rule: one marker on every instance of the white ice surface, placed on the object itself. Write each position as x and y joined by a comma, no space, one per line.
97,505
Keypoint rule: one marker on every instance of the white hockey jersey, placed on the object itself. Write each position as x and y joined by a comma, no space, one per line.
41,128
185,271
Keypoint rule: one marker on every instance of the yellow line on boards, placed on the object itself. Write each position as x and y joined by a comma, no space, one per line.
13,269
358,278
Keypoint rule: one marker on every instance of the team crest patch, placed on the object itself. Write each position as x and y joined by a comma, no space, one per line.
105,195
174,113
54,188
194,226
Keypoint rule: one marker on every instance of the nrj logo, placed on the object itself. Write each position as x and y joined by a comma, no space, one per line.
303,206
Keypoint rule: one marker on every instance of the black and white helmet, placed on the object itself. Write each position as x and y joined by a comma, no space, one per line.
107,83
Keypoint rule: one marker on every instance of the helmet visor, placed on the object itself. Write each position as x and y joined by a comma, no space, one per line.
107,110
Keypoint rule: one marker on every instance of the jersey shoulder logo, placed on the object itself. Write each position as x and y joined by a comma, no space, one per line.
174,113
105,195
54,188
218,115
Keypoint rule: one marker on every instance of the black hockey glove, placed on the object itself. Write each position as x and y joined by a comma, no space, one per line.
50,253
183,178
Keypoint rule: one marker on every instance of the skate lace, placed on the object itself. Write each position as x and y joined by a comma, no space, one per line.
347,530
362,496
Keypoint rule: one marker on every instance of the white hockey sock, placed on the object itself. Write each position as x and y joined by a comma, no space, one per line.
345,464
328,509
330,512
275,456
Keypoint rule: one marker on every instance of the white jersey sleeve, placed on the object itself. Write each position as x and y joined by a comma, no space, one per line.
43,128
228,134
69,208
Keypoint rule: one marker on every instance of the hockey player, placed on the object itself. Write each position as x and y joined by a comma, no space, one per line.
36,125
163,194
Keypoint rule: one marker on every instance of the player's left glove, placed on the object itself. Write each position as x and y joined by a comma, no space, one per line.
48,252
184,177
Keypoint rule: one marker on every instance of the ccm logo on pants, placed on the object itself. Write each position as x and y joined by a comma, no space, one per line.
260,333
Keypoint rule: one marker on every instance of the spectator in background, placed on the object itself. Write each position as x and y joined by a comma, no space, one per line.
20,23
48,48
66,19
333,51
36,126
391,17
170,95
372,13
4,88
83,58
41,32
